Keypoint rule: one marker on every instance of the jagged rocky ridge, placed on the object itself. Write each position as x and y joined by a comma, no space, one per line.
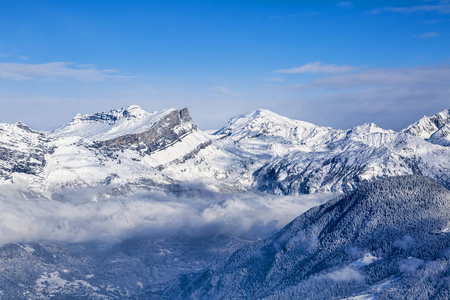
427,126
130,148
388,239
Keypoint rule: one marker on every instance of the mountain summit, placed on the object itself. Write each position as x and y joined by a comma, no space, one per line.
114,123
260,150
427,126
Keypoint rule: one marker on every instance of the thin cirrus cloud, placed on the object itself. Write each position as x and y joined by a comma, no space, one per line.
274,79
384,78
317,68
391,98
443,8
428,35
345,4
55,71
226,91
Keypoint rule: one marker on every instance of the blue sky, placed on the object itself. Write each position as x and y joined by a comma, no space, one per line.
333,63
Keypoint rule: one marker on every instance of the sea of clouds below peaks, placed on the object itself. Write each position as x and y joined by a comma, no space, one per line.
83,216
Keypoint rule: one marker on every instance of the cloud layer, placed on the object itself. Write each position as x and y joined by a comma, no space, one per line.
427,35
74,217
317,67
384,78
443,8
391,98
55,70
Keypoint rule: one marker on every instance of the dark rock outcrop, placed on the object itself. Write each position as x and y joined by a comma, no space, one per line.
163,133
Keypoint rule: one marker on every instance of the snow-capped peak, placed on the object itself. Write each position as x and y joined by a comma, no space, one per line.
263,121
23,126
114,115
111,124
370,128
426,126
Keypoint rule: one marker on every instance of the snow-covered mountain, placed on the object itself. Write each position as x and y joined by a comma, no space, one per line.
294,157
427,126
82,208
120,148
109,125
388,239
129,147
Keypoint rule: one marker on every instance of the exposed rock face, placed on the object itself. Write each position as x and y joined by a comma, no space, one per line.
299,158
372,237
426,126
121,148
111,117
348,162
259,150
172,127
441,136
22,151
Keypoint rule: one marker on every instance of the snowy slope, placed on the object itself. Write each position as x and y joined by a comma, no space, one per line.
112,124
293,157
22,153
426,126
441,136
386,239
266,133
96,158
129,147
363,154
122,149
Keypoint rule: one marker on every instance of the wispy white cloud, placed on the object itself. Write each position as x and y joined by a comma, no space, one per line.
55,71
345,4
275,17
226,91
391,98
346,274
275,79
428,35
317,67
405,242
434,21
410,265
442,8
383,78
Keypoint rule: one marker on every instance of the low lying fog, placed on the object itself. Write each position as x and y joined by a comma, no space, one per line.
79,216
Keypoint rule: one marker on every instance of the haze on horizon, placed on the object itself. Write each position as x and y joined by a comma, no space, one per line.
332,63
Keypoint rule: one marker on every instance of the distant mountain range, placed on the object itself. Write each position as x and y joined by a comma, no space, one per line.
130,148
386,237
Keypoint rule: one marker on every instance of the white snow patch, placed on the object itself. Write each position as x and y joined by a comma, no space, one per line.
346,274
27,248
364,261
372,292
